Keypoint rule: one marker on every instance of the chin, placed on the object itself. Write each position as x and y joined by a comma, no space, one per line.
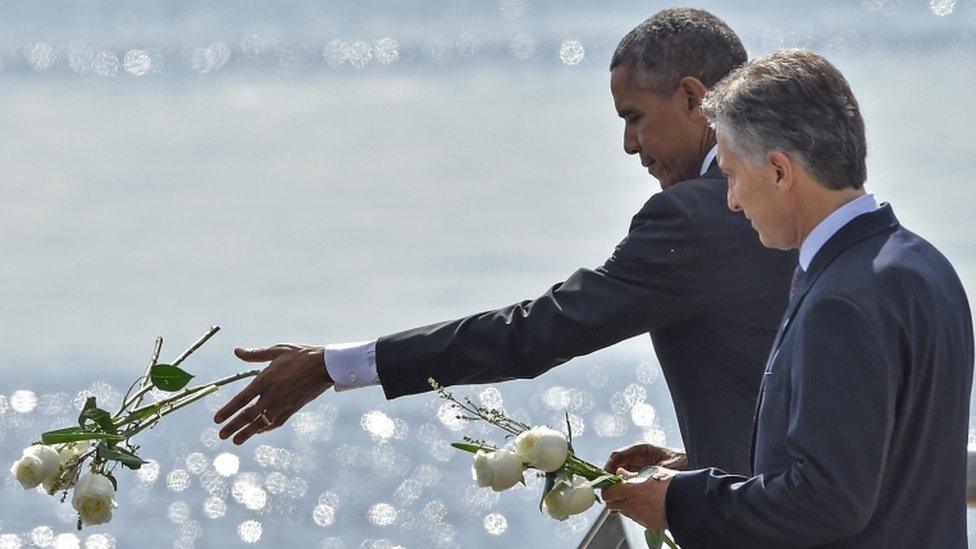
770,243
665,183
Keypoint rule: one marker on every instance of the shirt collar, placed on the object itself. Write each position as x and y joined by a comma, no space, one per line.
708,159
833,223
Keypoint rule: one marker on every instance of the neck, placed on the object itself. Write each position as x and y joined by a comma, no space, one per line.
817,205
708,141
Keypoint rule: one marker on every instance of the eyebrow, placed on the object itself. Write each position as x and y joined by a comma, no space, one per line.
626,112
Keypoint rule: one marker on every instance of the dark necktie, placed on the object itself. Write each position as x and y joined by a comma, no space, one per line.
797,277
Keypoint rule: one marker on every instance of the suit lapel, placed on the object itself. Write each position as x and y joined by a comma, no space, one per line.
858,229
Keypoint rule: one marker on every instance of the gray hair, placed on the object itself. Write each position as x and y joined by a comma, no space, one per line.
796,102
679,42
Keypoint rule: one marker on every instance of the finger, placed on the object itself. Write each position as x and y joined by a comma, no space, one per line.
242,419
613,494
240,400
615,460
618,506
283,417
625,474
259,425
261,354
624,462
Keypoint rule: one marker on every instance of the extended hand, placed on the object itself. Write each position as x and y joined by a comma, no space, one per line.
295,377
642,502
639,456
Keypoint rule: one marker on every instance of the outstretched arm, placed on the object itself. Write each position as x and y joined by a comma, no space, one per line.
653,279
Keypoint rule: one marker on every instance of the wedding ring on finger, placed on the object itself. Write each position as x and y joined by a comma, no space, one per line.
267,422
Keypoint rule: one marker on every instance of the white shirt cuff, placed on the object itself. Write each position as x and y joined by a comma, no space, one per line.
352,365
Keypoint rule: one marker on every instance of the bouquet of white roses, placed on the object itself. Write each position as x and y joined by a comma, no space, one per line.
570,481
103,440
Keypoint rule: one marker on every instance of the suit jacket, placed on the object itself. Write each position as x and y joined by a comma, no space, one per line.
690,272
860,439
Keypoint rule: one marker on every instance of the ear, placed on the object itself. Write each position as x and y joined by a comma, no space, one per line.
785,167
693,91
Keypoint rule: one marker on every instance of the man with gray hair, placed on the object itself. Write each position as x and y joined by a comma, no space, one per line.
861,430
689,272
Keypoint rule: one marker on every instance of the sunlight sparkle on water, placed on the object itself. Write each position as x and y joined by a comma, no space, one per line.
106,64
42,536
227,464
214,507
359,54
42,56
178,480
137,62
496,524
23,401
643,415
66,541
250,531
571,52
100,541
609,425
249,494
522,46
942,7
382,514
448,413
378,425
323,515
387,51
178,512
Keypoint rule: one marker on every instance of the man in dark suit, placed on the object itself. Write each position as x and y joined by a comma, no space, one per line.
860,438
689,272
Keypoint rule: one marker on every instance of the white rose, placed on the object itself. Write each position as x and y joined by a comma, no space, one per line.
68,462
500,469
93,498
39,463
543,448
569,499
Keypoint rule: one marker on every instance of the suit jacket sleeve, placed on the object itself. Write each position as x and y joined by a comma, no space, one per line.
842,389
653,279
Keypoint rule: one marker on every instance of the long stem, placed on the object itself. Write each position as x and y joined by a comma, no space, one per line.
145,382
210,333
149,423
185,392
146,379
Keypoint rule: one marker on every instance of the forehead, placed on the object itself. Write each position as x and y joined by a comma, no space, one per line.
627,81
726,156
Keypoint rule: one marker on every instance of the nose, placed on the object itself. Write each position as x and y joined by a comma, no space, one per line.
733,203
631,146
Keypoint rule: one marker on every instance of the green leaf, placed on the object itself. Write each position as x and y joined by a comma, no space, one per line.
89,404
169,378
76,434
657,539
654,539
140,414
595,483
473,448
124,457
94,414
550,482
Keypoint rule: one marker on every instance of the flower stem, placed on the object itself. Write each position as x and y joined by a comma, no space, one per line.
176,405
135,415
203,339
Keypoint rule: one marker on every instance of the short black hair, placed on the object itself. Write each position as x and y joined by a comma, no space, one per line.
679,42
797,102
